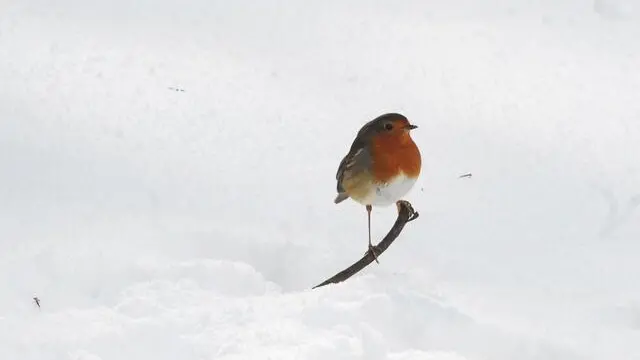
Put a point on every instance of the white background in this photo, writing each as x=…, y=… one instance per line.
x=161, y=224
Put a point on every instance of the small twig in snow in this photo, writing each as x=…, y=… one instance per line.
x=405, y=215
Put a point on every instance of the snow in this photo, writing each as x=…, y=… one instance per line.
x=155, y=223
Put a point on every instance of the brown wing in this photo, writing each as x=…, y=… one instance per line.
x=357, y=160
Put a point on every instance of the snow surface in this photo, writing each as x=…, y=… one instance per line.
x=156, y=223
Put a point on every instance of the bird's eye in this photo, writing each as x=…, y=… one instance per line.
x=388, y=126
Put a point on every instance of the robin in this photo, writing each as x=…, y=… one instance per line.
x=382, y=165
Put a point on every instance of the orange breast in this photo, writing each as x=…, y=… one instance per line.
x=395, y=153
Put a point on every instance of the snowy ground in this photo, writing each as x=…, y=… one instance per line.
x=162, y=224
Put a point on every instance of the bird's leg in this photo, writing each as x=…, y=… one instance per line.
x=369, y=222
x=371, y=247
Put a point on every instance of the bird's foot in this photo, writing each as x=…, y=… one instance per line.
x=373, y=251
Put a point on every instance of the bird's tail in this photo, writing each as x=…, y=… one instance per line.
x=340, y=198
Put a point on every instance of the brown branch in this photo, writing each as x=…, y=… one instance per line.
x=405, y=215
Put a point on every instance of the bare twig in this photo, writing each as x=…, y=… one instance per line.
x=405, y=215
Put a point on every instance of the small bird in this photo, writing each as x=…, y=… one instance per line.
x=381, y=167
x=36, y=300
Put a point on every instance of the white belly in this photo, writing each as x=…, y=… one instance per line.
x=387, y=194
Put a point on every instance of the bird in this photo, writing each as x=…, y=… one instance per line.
x=381, y=166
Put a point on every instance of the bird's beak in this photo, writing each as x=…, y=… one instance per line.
x=411, y=127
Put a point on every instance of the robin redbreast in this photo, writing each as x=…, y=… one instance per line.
x=382, y=165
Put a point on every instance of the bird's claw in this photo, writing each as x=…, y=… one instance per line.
x=372, y=250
